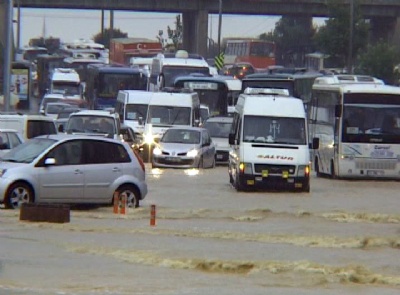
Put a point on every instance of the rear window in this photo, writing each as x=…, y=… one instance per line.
x=39, y=127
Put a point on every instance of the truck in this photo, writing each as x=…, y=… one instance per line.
x=123, y=49
x=67, y=82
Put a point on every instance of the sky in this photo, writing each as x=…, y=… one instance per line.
x=69, y=25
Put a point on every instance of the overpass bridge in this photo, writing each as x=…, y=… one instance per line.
x=384, y=15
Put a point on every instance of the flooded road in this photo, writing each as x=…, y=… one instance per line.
x=342, y=238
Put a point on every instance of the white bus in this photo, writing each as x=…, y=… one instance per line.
x=357, y=122
x=166, y=68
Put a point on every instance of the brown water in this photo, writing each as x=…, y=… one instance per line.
x=342, y=238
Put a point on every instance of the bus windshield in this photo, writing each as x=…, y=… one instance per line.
x=110, y=83
x=172, y=72
x=371, y=123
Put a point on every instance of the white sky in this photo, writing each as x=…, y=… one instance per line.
x=69, y=25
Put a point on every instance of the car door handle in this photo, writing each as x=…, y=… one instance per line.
x=115, y=169
x=77, y=171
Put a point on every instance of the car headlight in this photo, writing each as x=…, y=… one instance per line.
x=304, y=170
x=157, y=151
x=2, y=172
x=192, y=153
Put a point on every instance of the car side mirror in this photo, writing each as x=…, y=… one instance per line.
x=315, y=143
x=61, y=128
x=50, y=162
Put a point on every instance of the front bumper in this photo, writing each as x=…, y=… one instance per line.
x=274, y=182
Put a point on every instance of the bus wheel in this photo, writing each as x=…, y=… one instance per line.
x=316, y=167
x=333, y=175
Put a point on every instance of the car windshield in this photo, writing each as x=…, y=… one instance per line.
x=218, y=129
x=181, y=136
x=91, y=124
x=28, y=151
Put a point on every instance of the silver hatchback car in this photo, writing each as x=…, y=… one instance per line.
x=71, y=169
x=184, y=147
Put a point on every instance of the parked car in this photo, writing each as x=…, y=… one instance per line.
x=9, y=138
x=71, y=169
x=184, y=147
x=219, y=128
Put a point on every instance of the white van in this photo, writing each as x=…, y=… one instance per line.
x=269, y=142
x=28, y=126
x=167, y=109
x=132, y=106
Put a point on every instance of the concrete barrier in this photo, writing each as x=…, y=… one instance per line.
x=43, y=212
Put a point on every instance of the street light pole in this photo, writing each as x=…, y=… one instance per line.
x=219, y=25
x=7, y=55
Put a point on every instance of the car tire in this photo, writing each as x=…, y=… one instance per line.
x=17, y=194
x=201, y=164
x=133, y=195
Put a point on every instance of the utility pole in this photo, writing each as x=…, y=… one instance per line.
x=351, y=37
x=219, y=25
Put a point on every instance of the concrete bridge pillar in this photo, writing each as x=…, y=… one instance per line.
x=195, y=28
x=386, y=29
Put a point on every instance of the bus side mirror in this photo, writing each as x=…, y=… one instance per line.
x=140, y=120
x=231, y=138
x=315, y=143
x=338, y=111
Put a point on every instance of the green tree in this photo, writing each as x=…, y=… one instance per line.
x=333, y=37
x=105, y=39
x=177, y=34
x=379, y=61
x=293, y=38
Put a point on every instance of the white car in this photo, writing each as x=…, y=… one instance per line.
x=71, y=169
x=9, y=138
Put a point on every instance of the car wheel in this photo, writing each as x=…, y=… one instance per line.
x=132, y=195
x=201, y=163
x=212, y=164
x=18, y=194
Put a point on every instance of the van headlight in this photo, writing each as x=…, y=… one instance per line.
x=304, y=170
x=245, y=168
x=148, y=138
x=192, y=153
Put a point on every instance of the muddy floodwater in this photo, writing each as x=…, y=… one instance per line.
x=341, y=238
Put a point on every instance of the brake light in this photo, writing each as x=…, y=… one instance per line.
x=139, y=158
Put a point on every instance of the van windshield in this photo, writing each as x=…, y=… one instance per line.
x=168, y=115
x=283, y=130
x=136, y=111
